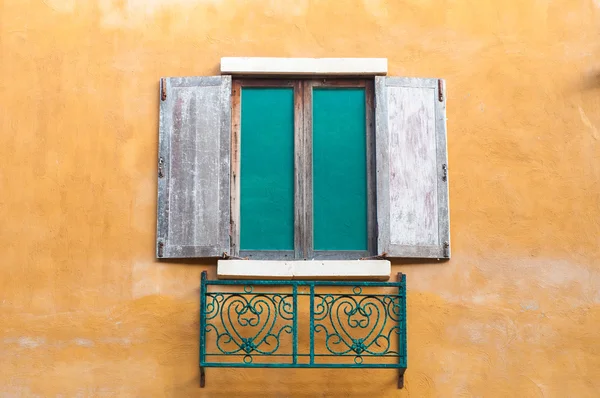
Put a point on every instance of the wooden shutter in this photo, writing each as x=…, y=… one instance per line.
x=412, y=179
x=193, y=167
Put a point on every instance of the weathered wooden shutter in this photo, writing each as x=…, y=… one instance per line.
x=193, y=167
x=412, y=168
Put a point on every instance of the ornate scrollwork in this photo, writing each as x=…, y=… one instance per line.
x=356, y=324
x=248, y=323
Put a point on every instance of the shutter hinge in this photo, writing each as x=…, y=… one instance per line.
x=440, y=90
x=163, y=89
x=161, y=247
x=161, y=163
x=444, y=172
x=446, y=249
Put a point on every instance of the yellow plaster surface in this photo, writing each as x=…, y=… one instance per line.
x=85, y=310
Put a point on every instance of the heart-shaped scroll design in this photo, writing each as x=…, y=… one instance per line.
x=248, y=325
x=358, y=324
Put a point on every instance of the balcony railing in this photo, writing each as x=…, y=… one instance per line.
x=303, y=324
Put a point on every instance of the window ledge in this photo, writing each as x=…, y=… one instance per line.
x=304, y=66
x=315, y=269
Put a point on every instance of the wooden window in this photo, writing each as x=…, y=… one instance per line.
x=302, y=169
x=302, y=181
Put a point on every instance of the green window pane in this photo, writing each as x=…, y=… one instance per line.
x=267, y=169
x=339, y=169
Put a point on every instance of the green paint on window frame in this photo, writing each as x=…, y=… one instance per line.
x=267, y=169
x=339, y=169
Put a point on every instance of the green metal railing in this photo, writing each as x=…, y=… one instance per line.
x=303, y=324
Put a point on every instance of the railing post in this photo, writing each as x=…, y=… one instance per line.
x=401, y=278
x=295, y=327
x=202, y=326
x=312, y=323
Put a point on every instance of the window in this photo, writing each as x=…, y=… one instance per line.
x=302, y=169
x=302, y=174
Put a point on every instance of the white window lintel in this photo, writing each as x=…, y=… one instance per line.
x=304, y=66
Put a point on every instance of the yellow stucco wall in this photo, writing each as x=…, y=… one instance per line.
x=85, y=310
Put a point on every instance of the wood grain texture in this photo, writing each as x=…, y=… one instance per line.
x=371, y=168
x=411, y=149
x=299, y=175
x=442, y=161
x=236, y=117
x=307, y=171
x=413, y=185
x=193, y=200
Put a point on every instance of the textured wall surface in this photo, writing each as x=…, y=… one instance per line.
x=85, y=310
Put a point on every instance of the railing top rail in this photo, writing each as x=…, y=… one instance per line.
x=261, y=282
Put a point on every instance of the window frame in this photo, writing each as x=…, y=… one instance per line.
x=303, y=178
x=236, y=125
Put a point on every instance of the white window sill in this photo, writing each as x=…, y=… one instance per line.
x=304, y=66
x=315, y=269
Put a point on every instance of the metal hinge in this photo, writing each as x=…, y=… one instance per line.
x=161, y=163
x=440, y=90
x=163, y=89
x=161, y=247
x=444, y=172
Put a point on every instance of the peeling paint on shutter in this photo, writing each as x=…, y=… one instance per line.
x=412, y=182
x=193, y=167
